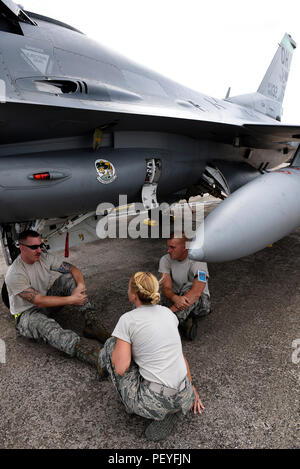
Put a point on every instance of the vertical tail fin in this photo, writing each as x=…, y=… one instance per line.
x=274, y=82
x=269, y=97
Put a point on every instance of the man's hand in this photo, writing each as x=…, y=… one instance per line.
x=181, y=302
x=78, y=296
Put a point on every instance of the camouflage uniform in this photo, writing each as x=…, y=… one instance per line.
x=200, y=308
x=137, y=395
x=35, y=323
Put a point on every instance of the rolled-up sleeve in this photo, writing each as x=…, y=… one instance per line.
x=17, y=283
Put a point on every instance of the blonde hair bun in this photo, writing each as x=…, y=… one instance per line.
x=155, y=298
x=146, y=286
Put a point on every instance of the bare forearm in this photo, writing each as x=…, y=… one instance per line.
x=41, y=301
x=121, y=357
x=194, y=293
x=52, y=301
x=197, y=405
x=188, y=369
x=67, y=268
x=192, y=297
x=77, y=275
x=168, y=292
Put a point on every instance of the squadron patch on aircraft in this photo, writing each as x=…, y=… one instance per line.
x=106, y=171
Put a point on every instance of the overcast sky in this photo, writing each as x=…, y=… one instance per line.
x=207, y=45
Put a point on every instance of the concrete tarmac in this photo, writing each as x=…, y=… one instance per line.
x=244, y=361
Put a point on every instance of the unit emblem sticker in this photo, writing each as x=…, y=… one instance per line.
x=106, y=171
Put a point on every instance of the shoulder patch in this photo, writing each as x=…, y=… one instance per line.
x=201, y=276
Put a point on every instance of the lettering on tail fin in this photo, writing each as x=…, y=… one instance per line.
x=269, y=97
x=274, y=82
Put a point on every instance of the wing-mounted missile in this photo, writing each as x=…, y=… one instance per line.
x=256, y=215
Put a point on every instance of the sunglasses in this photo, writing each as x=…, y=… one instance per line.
x=34, y=247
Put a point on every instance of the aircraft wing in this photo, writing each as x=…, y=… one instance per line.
x=71, y=85
x=38, y=121
x=270, y=136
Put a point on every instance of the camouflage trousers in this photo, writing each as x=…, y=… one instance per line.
x=200, y=308
x=136, y=393
x=35, y=323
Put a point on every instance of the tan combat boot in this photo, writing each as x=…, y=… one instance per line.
x=89, y=353
x=94, y=329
